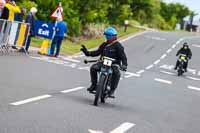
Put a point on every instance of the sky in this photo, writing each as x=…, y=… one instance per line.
x=194, y=5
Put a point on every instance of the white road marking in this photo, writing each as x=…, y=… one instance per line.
x=84, y=68
x=193, y=71
x=174, y=46
x=70, y=59
x=168, y=67
x=170, y=73
x=93, y=131
x=195, y=45
x=194, y=88
x=140, y=72
x=193, y=78
x=149, y=67
x=155, y=38
x=169, y=50
x=71, y=65
x=163, y=56
x=31, y=100
x=123, y=128
x=156, y=62
x=199, y=73
x=72, y=90
x=129, y=74
x=163, y=81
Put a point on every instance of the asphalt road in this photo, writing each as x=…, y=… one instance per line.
x=46, y=95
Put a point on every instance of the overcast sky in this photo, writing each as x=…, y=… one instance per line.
x=194, y=5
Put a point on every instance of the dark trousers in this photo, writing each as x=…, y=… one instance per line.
x=28, y=42
x=95, y=68
x=185, y=64
x=57, y=41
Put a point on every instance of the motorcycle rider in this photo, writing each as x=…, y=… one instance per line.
x=186, y=51
x=110, y=48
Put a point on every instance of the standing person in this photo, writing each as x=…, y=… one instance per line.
x=60, y=29
x=30, y=19
x=19, y=16
x=13, y=8
x=4, y=12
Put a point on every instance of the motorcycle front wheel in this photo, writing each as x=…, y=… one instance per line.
x=100, y=87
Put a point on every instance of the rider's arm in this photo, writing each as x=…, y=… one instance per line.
x=122, y=54
x=190, y=54
x=97, y=52
x=178, y=52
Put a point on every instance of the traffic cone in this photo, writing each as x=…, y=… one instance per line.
x=44, y=47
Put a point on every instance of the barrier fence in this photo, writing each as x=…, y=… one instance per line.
x=13, y=34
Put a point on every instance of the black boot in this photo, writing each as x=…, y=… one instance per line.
x=92, y=88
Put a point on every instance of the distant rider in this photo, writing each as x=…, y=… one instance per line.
x=110, y=48
x=186, y=51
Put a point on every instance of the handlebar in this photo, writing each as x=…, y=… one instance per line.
x=90, y=61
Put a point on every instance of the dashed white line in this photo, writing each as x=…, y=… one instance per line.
x=169, y=50
x=195, y=45
x=193, y=78
x=194, y=88
x=156, y=62
x=140, y=72
x=170, y=73
x=199, y=73
x=129, y=74
x=163, y=56
x=31, y=100
x=163, y=81
x=72, y=90
x=149, y=67
x=123, y=128
x=174, y=46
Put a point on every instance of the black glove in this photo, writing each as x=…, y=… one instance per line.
x=84, y=50
x=123, y=67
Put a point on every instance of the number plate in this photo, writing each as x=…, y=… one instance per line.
x=107, y=62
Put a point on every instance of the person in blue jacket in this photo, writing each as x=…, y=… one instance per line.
x=60, y=30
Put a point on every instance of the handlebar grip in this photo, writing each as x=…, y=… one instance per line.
x=85, y=61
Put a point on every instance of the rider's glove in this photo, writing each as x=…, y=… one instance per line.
x=123, y=67
x=84, y=50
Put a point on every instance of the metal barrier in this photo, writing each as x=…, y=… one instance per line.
x=13, y=34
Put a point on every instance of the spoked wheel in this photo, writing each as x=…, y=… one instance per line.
x=100, y=88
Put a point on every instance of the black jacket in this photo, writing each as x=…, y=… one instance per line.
x=5, y=13
x=187, y=52
x=114, y=51
x=30, y=19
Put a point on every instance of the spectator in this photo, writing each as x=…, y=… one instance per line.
x=13, y=8
x=30, y=19
x=19, y=16
x=4, y=12
x=60, y=29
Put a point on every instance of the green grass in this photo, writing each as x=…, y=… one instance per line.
x=69, y=47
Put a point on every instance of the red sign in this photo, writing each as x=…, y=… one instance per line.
x=57, y=13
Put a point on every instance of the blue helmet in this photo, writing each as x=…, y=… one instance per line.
x=110, y=33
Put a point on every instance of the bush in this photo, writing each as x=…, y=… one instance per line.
x=93, y=30
x=74, y=27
